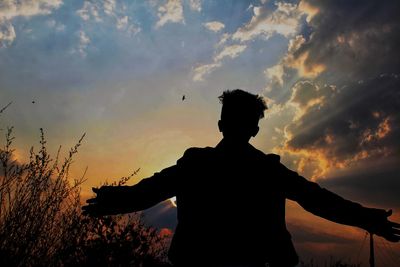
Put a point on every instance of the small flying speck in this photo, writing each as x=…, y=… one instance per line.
x=33, y=102
x=183, y=97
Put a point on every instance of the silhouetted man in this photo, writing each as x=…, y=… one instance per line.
x=231, y=198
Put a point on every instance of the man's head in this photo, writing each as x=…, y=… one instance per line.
x=240, y=114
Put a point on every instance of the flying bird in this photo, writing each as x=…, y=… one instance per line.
x=183, y=97
x=33, y=102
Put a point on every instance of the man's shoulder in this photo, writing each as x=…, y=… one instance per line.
x=197, y=152
x=273, y=158
x=192, y=150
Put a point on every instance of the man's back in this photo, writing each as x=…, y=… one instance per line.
x=231, y=207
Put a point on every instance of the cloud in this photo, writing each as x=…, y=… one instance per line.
x=307, y=95
x=275, y=74
x=106, y=11
x=375, y=182
x=96, y=10
x=172, y=11
x=214, y=26
x=83, y=44
x=308, y=9
x=282, y=71
x=202, y=70
x=347, y=38
x=231, y=51
x=346, y=126
x=224, y=38
x=10, y=9
x=90, y=10
x=109, y=7
x=305, y=70
x=227, y=52
x=123, y=24
x=7, y=33
x=285, y=20
x=339, y=81
x=195, y=5
x=337, y=128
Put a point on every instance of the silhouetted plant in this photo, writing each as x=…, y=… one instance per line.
x=122, y=240
x=41, y=222
x=38, y=205
x=116, y=241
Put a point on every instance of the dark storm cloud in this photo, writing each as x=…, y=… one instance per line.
x=376, y=183
x=355, y=39
x=346, y=41
x=359, y=118
x=348, y=109
x=356, y=114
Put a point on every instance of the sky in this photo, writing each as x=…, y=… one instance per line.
x=117, y=70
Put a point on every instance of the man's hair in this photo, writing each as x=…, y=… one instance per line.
x=234, y=101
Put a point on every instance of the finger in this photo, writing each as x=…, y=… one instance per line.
x=87, y=208
x=394, y=224
x=396, y=231
x=393, y=238
x=389, y=213
x=91, y=200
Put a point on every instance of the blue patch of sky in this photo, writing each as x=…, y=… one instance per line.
x=40, y=54
x=44, y=56
x=305, y=29
x=233, y=14
x=142, y=13
x=259, y=55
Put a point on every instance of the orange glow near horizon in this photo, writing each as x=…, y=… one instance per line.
x=142, y=78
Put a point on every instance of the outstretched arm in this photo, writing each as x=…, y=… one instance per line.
x=328, y=205
x=112, y=200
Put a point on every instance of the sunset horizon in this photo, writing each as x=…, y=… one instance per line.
x=141, y=81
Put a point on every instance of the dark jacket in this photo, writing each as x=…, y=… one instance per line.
x=231, y=205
